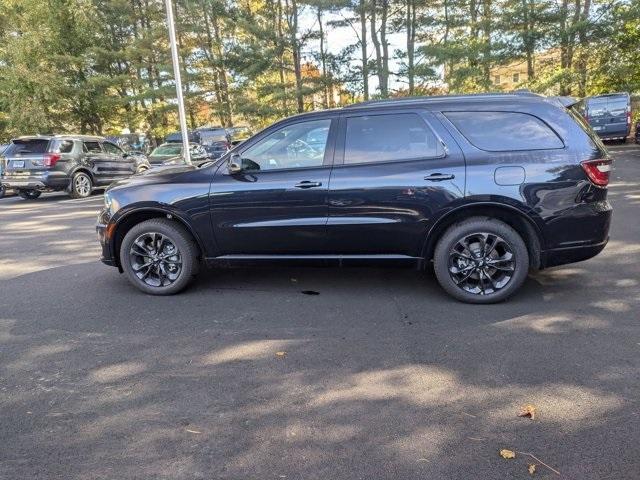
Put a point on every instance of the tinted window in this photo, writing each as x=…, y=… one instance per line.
x=294, y=146
x=504, y=131
x=175, y=149
x=27, y=147
x=381, y=138
x=111, y=148
x=63, y=146
x=92, y=147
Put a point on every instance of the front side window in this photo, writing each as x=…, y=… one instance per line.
x=299, y=145
x=389, y=137
x=504, y=131
x=111, y=148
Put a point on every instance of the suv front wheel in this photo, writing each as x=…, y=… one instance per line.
x=481, y=260
x=159, y=257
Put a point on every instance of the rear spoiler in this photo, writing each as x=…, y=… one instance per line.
x=564, y=102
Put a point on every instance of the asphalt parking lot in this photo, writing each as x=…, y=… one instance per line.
x=383, y=377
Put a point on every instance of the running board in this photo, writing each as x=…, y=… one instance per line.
x=322, y=260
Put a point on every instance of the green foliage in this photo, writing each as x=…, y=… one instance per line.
x=101, y=66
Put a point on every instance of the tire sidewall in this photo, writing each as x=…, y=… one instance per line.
x=179, y=238
x=455, y=233
x=74, y=192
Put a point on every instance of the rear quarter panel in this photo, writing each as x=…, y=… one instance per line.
x=554, y=191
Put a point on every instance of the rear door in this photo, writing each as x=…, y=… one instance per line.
x=619, y=120
x=98, y=162
x=394, y=172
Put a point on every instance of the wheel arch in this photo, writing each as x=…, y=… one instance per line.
x=512, y=216
x=136, y=216
x=82, y=170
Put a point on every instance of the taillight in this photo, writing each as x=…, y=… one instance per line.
x=598, y=171
x=628, y=117
x=50, y=159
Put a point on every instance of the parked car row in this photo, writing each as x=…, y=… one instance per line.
x=31, y=165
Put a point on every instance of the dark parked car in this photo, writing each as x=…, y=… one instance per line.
x=637, y=135
x=609, y=115
x=171, y=153
x=76, y=163
x=3, y=189
x=486, y=187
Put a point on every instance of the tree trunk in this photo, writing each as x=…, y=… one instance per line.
x=363, y=49
x=410, y=25
x=323, y=62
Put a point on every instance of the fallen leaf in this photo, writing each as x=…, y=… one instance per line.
x=281, y=354
x=504, y=453
x=528, y=411
x=532, y=468
x=192, y=431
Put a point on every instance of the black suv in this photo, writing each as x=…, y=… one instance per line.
x=484, y=186
x=75, y=163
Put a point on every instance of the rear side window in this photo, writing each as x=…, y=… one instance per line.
x=27, y=147
x=92, y=147
x=504, y=131
x=63, y=146
x=383, y=138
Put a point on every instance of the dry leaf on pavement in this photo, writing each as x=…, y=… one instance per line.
x=528, y=411
x=281, y=354
x=504, y=453
x=532, y=468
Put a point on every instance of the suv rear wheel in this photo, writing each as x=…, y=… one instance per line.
x=81, y=185
x=481, y=260
x=159, y=257
x=29, y=194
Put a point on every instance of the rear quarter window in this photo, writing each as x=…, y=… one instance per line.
x=504, y=131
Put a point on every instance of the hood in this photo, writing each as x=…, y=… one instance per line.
x=157, y=174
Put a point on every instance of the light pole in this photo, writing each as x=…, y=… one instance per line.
x=176, y=74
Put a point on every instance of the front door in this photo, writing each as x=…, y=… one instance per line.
x=278, y=203
x=121, y=165
x=394, y=171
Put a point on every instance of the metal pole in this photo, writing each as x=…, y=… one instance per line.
x=176, y=74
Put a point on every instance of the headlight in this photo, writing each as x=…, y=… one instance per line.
x=110, y=203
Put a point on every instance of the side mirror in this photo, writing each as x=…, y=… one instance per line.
x=235, y=164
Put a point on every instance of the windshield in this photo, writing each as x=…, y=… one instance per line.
x=168, y=150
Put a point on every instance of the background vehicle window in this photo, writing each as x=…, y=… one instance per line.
x=92, y=147
x=25, y=147
x=295, y=146
x=381, y=138
x=63, y=146
x=111, y=148
x=504, y=131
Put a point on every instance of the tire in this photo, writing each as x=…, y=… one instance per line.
x=29, y=194
x=148, y=234
x=476, y=278
x=81, y=185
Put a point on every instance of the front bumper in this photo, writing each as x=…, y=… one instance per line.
x=105, y=231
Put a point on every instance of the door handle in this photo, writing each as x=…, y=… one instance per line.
x=308, y=184
x=439, y=177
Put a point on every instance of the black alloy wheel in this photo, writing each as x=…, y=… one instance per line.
x=159, y=256
x=481, y=260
